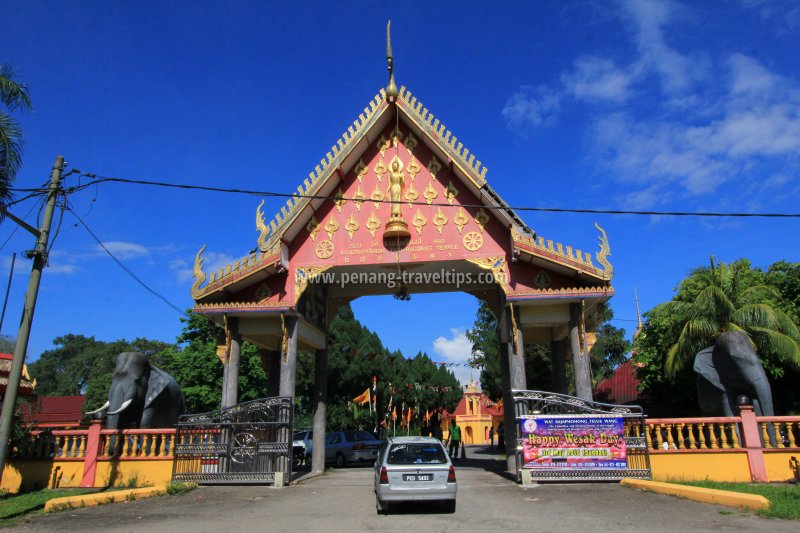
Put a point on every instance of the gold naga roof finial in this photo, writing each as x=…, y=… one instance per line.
x=391, y=89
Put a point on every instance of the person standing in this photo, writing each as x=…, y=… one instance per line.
x=501, y=437
x=454, y=439
x=491, y=438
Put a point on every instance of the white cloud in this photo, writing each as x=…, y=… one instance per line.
x=691, y=139
x=62, y=269
x=456, y=349
x=597, y=79
x=531, y=108
x=125, y=250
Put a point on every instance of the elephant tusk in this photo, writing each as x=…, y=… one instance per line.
x=96, y=411
x=124, y=406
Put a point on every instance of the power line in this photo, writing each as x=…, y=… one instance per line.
x=126, y=269
x=103, y=179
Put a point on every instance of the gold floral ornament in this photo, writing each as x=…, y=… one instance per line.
x=331, y=227
x=324, y=249
x=439, y=220
x=339, y=201
x=313, y=228
x=377, y=197
x=430, y=193
x=419, y=221
x=373, y=223
x=359, y=197
x=460, y=219
x=450, y=192
x=383, y=145
x=413, y=169
x=411, y=143
x=361, y=170
x=434, y=166
x=482, y=219
x=352, y=225
x=411, y=194
x=380, y=169
x=473, y=241
x=396, y=136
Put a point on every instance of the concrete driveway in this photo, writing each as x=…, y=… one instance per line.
x=342, y=500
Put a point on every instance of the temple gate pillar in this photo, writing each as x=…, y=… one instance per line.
x=230, y=379
x=320, y=410
x=271, y=360
x=512, y=365
x=288, y=357
x=580, y=359
x=557, y=349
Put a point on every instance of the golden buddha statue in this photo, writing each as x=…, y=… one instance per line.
x=396, y=227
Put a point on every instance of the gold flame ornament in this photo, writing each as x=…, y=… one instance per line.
x=331, y=227
x=460, y=219
x=313, y=228
x=361, y=170
x=359, y=197
x=377, y=196
x=339, y=201
x=411, y=142
x=434, y=166
x=411, y=194
x=419, y=221
x=482, y=219
x=439, y=220
x=450, y=192
x=352, y=225
x=430, y=193
x=373, y=223
x=413, y=169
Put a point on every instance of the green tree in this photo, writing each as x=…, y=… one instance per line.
x=14, y=96
x=729, y=298
x=7, y=344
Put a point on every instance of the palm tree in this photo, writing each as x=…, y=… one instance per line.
x=723, y=303
x=14, y=96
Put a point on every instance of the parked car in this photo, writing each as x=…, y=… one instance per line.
x=304, y=439
x=342, y=447
x=414, y=469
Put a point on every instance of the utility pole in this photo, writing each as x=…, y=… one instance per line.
x=39, y=255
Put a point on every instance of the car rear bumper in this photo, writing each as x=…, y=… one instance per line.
x=387, y=494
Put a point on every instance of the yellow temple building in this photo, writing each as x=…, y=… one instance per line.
x=475, y=414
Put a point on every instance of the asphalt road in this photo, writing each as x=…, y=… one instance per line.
x=342, y=500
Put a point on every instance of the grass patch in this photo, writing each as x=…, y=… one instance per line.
x=13, y=507
x=784, y=498
x=174, y=488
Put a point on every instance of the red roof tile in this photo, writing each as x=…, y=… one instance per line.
x=52, y=411
x=620, y=388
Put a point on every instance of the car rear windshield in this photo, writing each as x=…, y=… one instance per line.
x=411, y=454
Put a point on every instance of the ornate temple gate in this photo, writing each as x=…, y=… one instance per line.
x=540, y=405
x=249, y=443
x=396, y=207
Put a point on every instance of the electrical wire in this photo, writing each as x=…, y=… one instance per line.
x=126, y=269
x=16, y=227
x=104, y=179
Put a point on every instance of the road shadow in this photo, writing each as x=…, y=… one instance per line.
x=484, y=458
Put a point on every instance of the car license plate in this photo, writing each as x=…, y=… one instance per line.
x=417, y=477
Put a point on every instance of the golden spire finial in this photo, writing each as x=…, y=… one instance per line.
x=639, y=324
x=391, y=89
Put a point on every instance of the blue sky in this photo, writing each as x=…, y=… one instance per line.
x=620, y=105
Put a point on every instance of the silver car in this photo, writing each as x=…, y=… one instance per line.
x=343, y=447
x=414, y=469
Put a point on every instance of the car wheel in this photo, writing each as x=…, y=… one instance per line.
x=339, y=460
x=450, y=506
x=381, y=507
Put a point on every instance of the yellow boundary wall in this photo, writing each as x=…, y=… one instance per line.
x=32, y=474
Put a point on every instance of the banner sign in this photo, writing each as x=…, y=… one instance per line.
x=580, y=442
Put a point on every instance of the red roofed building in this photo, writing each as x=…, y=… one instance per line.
x=26, y=386
x=475, y=414
x=62, y=412
x=620, y=388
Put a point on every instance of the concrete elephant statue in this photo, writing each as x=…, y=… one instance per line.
x=141, y=395
x=727, y=370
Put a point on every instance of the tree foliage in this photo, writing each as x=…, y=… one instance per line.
x=13, y=96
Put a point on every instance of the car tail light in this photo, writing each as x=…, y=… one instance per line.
x=384, y=480
x=451, y=475
x=360, y=447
